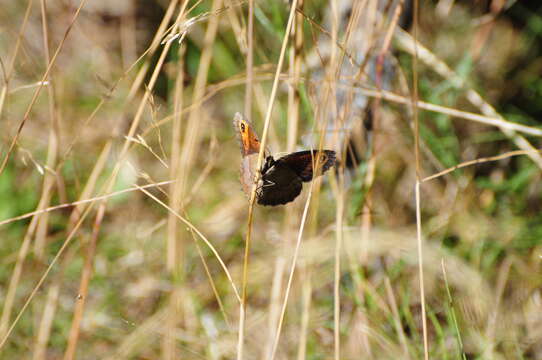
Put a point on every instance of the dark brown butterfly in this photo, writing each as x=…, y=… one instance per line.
x=281, y=179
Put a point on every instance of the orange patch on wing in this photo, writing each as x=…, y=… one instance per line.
x=248, y=140
x=250, y=147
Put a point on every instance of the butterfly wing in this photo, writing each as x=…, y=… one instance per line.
x=250, y=147
x=248, y=140
x=301, y=162
x=280, y=185
x=247, y=174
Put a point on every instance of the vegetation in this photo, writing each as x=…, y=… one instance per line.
x=124, y=230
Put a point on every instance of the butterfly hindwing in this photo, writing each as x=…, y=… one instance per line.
x=301, y=162
x=280, y=185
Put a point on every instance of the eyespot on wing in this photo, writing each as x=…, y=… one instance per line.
x=247, y=138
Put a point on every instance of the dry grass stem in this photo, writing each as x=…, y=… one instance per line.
x=267, y=121
x=194, y=229
x=38, y=90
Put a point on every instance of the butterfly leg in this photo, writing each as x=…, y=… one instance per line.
x=264, y=184
x=268, y=183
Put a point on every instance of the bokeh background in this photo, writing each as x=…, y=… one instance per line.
x=97, y=96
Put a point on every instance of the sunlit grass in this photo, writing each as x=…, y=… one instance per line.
x=156, y=270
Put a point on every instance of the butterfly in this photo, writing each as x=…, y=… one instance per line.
x=281, y=179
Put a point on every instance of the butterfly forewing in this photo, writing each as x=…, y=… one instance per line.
x=250, y=147
x=248, y=140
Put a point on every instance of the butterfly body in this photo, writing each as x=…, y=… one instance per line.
x=281, y=179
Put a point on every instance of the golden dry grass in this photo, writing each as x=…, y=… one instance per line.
x=125, y=233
